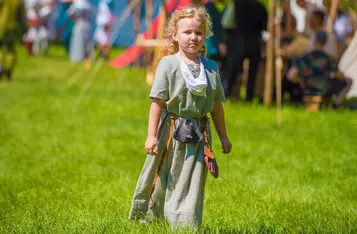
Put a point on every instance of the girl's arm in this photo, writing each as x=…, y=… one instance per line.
x=218, y=119
x=219, y=123
x=151, y=145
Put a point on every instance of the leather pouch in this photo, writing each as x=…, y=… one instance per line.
x=187, y=131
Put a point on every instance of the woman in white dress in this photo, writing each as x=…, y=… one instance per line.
x=81, y=45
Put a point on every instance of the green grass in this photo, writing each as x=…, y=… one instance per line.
x=67, y=168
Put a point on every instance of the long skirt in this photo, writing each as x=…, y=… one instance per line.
x=179, y=188
x=80, y=44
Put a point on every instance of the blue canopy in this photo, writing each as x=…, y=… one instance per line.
x=125, y=36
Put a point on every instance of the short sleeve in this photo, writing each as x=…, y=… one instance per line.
x=219, y=94
x=160, y=88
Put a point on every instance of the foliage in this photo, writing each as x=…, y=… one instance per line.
x=349, y=4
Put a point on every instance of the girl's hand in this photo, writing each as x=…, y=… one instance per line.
x=151, y=145
x=226, y=145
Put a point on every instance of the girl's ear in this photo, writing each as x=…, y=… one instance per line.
x=174, y=36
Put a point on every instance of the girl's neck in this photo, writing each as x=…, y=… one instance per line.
x=189, y=58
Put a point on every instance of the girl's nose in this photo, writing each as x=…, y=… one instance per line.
x=193, y=36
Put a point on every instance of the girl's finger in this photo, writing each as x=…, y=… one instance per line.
x=156, y=149
x=224, y=149
x=227, y=149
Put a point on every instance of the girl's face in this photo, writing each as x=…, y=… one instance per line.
x=189, y=35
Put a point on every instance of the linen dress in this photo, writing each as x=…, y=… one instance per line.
x=179, y=189
x=80, y=43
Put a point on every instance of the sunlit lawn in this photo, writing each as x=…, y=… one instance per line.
x=70, y=165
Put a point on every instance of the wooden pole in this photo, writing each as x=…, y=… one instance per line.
x=163, y=2
x=331, y=19
x=326, y=3
x=354, y=20
x=136, y=24
x=278, y=75
x=332, y=15
x=149, y=13
x=289, y=20
x=269, y=56
x=148, y=51
x=160, y=35
x=159, y=50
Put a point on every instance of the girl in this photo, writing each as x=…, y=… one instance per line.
x=187, y=87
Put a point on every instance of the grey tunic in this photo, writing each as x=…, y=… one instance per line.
x=179, y=189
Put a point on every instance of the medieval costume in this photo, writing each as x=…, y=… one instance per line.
x=36, y=39
x=81, y=45
x=11, y=24
x=171, y=184
x=103, y=32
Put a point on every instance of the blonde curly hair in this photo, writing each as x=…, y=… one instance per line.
x=188, y=12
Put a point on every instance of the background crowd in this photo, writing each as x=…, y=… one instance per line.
x=239, y=43
x=35, y=23
x=310, y=55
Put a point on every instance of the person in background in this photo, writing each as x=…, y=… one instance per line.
x=215, y=45
x=33, y=22
x=342, y=28
x=310, y=7
x=288, y=29
x=317, y=24
x=12, y=15
x=36, y=38
x=318, y=74
x=293, y=45
x=48, y=13
x=81, y=45
x=103, y=32
x=250, y=19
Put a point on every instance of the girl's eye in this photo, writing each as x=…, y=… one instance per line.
x=199, y=33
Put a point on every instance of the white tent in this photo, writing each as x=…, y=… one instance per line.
x=348, y=65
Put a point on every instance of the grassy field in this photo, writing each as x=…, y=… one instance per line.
x=69, y=167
